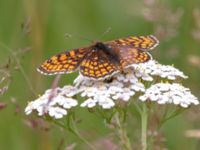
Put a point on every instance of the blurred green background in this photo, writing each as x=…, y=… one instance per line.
x=33, y=30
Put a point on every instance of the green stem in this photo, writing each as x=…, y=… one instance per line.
x=144, y=119
x=75, y=131
x=170, y=116
x=122, y=133
x=72, y=128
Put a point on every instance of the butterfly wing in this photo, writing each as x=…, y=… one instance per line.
x=129, y=55
x=133, y=49
x=64, y=62
x=140, y=42
x=97, y=65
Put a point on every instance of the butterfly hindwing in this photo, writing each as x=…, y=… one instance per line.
x=129, y=55
x=64, y=62
x=97, y=65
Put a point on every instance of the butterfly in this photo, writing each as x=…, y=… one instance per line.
x=101, y=59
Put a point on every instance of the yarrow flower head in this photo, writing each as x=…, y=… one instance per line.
x=54, y=102
x=120, y=87
x=164, y=93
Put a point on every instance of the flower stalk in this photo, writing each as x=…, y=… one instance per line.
x=144, y=120
x=71, y=127
x=122, y=133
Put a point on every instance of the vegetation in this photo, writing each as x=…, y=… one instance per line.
x=31, y=31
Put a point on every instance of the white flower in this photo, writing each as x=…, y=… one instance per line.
x=69, y=91
x=54, y=102
x=89, y=103
x=57, y=112
x=153, y=68
x=102, y=93
x=106, y=103
x=165, y=93
x=120, y=87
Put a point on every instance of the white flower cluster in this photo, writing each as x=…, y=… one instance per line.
x=54, y=102
x=164, y=93
x=122, y=86
x=153, y=68
x=104, y=94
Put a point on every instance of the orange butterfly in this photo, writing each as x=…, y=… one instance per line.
x=101, y=59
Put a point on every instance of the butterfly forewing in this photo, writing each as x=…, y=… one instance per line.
x=64, y=62
x=139, y=42
x=97, y=65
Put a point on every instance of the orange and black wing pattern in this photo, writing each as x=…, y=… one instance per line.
x=98, y=66
x=133, y=49
x=102, y=60
x=140, y=42
x=64, y=62
x=129, y=56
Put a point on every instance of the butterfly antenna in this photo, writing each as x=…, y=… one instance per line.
x=68, y=35
x=106, y=31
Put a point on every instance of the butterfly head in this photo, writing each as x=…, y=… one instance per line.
x=99, y=45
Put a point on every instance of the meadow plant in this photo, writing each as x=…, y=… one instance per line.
x=139, y=86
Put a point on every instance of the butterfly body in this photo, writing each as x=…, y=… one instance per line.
x=110, y=51
x=101, y=59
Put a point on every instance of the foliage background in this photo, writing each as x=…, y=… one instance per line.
x=33, y=30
